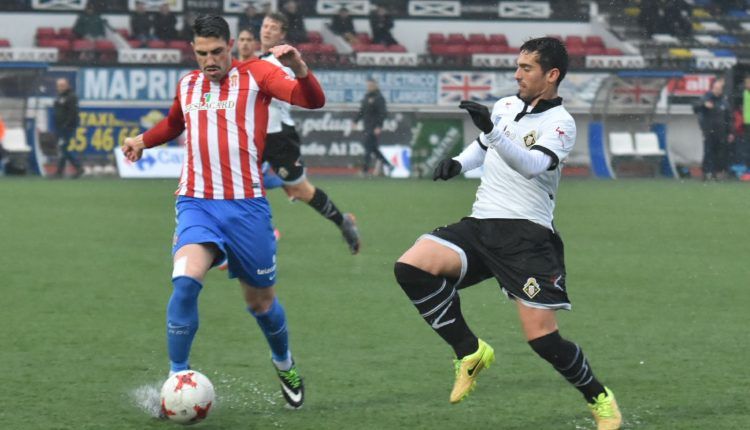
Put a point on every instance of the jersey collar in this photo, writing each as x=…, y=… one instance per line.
x=541, y=106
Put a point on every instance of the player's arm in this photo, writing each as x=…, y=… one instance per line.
x=167, y=129
x=304, y=91
x=527, y=163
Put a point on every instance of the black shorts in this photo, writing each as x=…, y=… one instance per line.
x=283, y=154
x=526, y=258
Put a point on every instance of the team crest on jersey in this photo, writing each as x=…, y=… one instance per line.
x=531, y=288
x=234, y=79
x=530, y=139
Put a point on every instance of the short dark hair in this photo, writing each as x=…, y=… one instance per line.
x=211, y=26
x=280, y=18
x=551, y=52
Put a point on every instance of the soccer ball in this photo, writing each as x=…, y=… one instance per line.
x=186, y=397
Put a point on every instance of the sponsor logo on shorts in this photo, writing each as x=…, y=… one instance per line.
x=531, y=288
x=266, y=271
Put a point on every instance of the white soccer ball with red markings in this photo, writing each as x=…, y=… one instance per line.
x=187, y=397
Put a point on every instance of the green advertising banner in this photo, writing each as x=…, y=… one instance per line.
x=433, y=140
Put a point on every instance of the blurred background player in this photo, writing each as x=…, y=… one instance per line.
x=221, y=206
x=510, y=234
x=283, y=145
x=66, y=121
x=372, y=112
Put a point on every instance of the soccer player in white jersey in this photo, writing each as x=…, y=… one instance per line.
x=221, y=207
x=283, y=144
x=510, y=234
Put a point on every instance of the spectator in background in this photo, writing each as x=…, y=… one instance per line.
x=372, y=112
x=89, y=24
x=651, y=17
x=381, y=24
x=186, y=33
x=66, y=122
x=677, y=18
x=165, y=24
x=715, y=119
x=297, y=33
x=252, y=19
x=141, y=23
x=343, y=25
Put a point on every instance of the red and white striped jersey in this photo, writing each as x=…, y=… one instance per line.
x=226, y=123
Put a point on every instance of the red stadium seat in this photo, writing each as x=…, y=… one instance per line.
x=497, y=49
x=84, y=49
x=376, y=47
x=135, y=44
x=106, y=51
x=594, y=41
x=497, y=39
x=576, y=51
x=364, y=38
x=314, y=37
x=81, y=45
x=595, y=50
x=156, y=44
x=433, y=38
x=308, y=48
x=477, y=39
x=62, y=45
x=438, y=49
x=45, y=33
x=456, y=39
x=574, y=41
x=397, y=48
x=66, y=33
x=4, y=43
x=613, y=51
x=124, y=32
x=182, y=45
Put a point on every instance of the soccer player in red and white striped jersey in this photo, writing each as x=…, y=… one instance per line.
x=221, y=207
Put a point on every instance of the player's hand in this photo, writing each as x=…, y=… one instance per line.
x=290, y=57
x=480, y=115
x=133, y=147
x=446, y=169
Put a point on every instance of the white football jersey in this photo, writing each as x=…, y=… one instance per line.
x=279, y=111
x=505, y=193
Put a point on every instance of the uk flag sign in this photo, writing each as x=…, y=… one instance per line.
x=456, y=86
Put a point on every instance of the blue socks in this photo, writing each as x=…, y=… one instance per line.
x=182, y=320
x=273, y=325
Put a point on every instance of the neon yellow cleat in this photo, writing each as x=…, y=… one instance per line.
x=606, y=413
x=468, y=368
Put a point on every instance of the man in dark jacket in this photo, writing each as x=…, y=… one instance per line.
x=140, y=23
x=165, y=24
x=715, y=119
x=372, y=112
x=381, y=24
x=66, y=122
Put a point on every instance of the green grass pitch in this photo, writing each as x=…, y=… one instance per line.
x=657, y=273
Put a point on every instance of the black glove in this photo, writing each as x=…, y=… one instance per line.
x=446, y=169
x=479, y=114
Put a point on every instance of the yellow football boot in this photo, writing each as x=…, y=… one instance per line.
x=468, y=368
x=606, y=413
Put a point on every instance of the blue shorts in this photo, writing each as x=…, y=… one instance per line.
x=241, y=229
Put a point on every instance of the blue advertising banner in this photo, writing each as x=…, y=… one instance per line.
x=133, y=84
x=100, y=130
x=397, y=87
